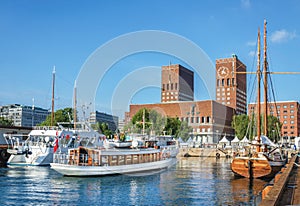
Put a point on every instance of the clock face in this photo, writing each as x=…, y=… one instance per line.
x=223, y=71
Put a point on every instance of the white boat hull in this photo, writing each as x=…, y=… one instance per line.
x=74, y=170
x=38, y=157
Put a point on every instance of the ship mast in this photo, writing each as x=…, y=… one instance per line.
x=265, y=81
x=258, y=73
x=75, y=105
x=53, y=83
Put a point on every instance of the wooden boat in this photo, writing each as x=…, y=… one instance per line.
x=84, y=161
x=259, y=164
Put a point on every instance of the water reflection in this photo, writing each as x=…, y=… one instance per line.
x=192, y=181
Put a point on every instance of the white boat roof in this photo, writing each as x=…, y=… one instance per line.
x=126, y=151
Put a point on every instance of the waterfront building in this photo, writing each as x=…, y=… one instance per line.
x=111, y=120
x=286, y=111
x=231, y=87
x=210, y=119
x=24, y=116
x=177, y=83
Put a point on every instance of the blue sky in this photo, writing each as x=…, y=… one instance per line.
x=36, y=35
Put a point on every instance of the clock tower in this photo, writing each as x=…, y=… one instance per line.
x=231, y=87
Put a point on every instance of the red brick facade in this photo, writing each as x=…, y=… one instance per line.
x=177, y=83
x=287, y=112
x=231, y=87
x=207, y=118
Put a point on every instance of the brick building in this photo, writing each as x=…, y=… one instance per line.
x=209, y=119
x=287, y=112
x=231, y=87
x=177, y=83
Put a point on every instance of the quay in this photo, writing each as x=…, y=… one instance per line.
x=284, y=189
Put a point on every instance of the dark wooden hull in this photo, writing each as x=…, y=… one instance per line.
x=251, y=167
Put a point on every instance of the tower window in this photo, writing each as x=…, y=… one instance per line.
x=228, y=82
x=233, y=82
x=222, y=82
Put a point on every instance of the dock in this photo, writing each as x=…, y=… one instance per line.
x=284, y=189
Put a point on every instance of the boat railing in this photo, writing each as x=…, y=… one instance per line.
x=97, y=159
x=46, y=128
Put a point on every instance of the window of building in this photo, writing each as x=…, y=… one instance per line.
x=284, y=117
x=202, y=119
x=171, y=86
x=222, y=82
x=292, y=111
x=176, y=86
x=187, y=119
x=292, y=116
x=233, y=82
x=284, y=106
x=208, y=119
x=284, y=111
x=192, y=119
x=163, y=87
x=292, y=127
x=292, y=122
x=197, y=119
x=292, y=106
x=167, y=86
x=285, y=127
x=218, y=82
x=228, y=82
x=278, y=106
x=284, y=122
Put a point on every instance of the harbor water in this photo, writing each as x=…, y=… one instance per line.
x=191, y=181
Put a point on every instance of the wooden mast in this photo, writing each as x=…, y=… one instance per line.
x=265, y=81
x=53, y=83
x=75, y=105
x=258, y=92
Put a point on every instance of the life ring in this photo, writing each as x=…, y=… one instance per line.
x=218, y=155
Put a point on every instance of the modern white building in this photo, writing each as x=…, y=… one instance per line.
x=25, y=116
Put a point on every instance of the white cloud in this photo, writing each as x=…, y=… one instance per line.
x=251, y=43
x=252, y=53
x=245, y=4
x=282, y=36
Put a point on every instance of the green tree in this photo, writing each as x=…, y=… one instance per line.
x=61, y=115
x=177, y=128
x=141, y=119
x=274, y=128
x=184, y=131
x=6, y=122
x=103, y=128
x=157, y=121
x=240, y=124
